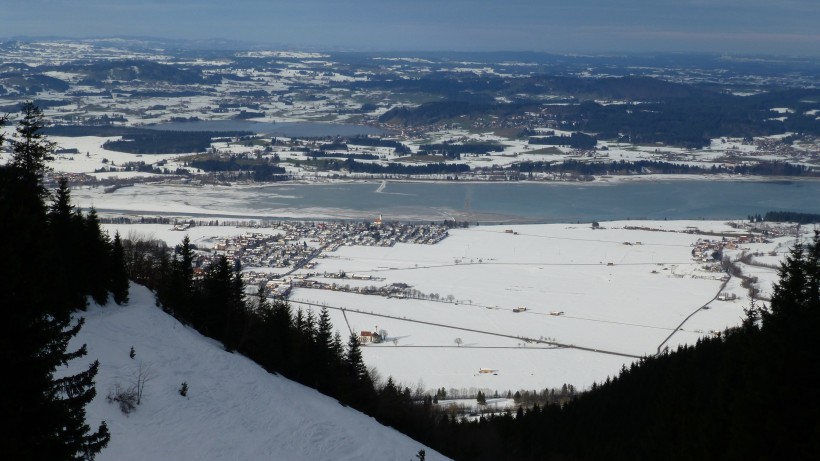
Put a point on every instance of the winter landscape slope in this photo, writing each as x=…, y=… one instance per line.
x=233, y=409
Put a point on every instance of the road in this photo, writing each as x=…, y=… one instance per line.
x=471, y=330
x=722, y=286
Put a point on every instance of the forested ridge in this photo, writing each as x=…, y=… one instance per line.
x=750, y=393
x=648, y=110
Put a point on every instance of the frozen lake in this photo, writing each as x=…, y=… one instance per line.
x=473, y=202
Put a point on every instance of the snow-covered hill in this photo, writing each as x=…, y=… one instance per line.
x=234, y=409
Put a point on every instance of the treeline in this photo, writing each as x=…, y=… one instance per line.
x=40, y=103
x=660, y=167
x=166, y=142
x=432, y=112
x=260, y=170
x=315, y=154
x=443, y=111
x=103, y=129
x=574, y=140
x=791, y=216
x=98, y=73
x=369, y=141
x=394, y=168
x=31, y=84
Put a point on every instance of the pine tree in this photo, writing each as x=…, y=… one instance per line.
x=97, y=254
x=61, y=208
x=119, y=273
x=279, y=335
x=43, y=415
x=217, y=296
x=326, y=359
x=357, y=388
x=789, y=298
x=31, y=150
x=65, y=256
x=236, y=310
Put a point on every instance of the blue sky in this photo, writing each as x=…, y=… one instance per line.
x=723, y=26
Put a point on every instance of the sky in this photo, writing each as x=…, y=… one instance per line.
x=790, y=27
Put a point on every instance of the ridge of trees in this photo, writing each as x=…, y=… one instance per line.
x=660, y=167
x=791, y=216
x=353, y=166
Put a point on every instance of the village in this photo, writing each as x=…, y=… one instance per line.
x=273, y=260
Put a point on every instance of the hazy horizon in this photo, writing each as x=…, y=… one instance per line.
x=587, y=26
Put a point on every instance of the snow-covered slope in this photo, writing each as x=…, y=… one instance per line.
x=234, y=409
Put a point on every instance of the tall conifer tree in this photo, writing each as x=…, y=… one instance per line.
x=43, y=416
x=119, y=273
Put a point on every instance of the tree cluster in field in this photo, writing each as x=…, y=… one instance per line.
x=361, y=140
x=55, y=258
x=163, y=142
x=315, y=154
x=455, y=151
x=394, y=168
x=258, y=170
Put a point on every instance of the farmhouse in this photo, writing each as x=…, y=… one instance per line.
x=366, y=337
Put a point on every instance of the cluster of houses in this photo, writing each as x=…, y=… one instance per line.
x=263, y=250
x=299, y=243
x=706, y=250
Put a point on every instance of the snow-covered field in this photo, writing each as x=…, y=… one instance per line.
x=618, y=301
x=595, y=300
x=234, y=409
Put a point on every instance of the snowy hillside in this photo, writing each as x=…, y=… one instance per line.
x=234, y=409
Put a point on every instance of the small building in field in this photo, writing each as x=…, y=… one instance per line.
x=367, y=337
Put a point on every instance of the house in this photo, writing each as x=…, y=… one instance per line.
x=366, y=337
